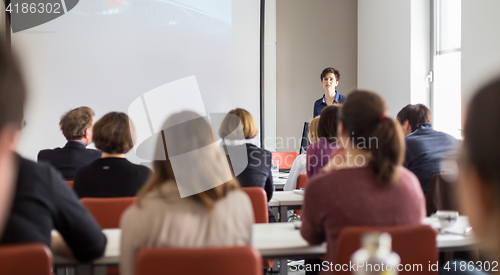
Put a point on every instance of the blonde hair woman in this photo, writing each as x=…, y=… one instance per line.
x=299, y=164
x=254, y=168
x=220, y=215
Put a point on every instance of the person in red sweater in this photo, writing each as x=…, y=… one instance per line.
x=367, y=184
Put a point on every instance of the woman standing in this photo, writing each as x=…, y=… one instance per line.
x=329, y=79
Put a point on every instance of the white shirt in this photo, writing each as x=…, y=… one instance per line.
x=298, y=168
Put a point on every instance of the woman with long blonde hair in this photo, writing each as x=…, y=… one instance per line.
x=191, y=201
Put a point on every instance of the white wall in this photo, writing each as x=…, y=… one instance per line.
x=393, y=50
x=384, y=50
x=480, y=45
x=420, y=50
x=311, y=35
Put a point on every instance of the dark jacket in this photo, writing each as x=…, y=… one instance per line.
x=69, y=159
x=425, y=148
x=257, y=173
x=110, y=177
x=42, y=202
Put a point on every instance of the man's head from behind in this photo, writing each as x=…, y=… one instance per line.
x=413, y=115
x=76, y=125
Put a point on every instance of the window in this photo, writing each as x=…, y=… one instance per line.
x=446, y=67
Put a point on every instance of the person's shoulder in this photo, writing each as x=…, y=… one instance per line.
x=318, y=101
x=449, y=137
x=237, y=199
x=142, y=169
x=408, y=178
x=29, y=166
x=40, y=173
x=322, y=180
x=254, y=148
x=93, y=152
x=47, y=153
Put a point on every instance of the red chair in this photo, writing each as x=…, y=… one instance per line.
x=242, y=260
x=70, y=183
x=25, y=259
x=285, y=158
x=415, y=244
x=441, y=194
x=107, y=211
x=259, y=203
x=301, y=183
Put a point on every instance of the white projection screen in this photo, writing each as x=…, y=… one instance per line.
x=115, y=55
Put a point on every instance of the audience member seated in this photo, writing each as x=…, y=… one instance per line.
x=192, y=209
x=42, y=201
x=479, y=177
x=370, y=187
x=299, y=164
x=318, y=154
x=256, y=171
x=425, y=147
x=12, y=98
x=76, y=126
x=112, y=175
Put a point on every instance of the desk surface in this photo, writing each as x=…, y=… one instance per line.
x=282, y=240
x=275, y=240
x=288, y=198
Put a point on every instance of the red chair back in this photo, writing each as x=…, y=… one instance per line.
x=242, y=260
x=285, y=158
x=70, y=183
x=415, y=244
x=441, y=194
x=107, y=211
x=25, y=259
x=301, y=181
x=259, y=203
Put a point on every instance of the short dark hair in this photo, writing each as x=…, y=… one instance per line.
x=481, y=134
x=74, y=123
x=330, y=70
x=12, y=89
x=415, y=114
x=113, y=134
x=328, y=120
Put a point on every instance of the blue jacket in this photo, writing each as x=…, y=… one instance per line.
x=425, y=148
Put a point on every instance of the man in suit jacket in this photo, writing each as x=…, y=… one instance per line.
x=76, y=126
x=425, y=147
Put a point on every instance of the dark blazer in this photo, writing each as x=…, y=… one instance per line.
x=69, y=159
x=110, y=177
x=425, y=148
x=257, y=173
x=43, y=202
